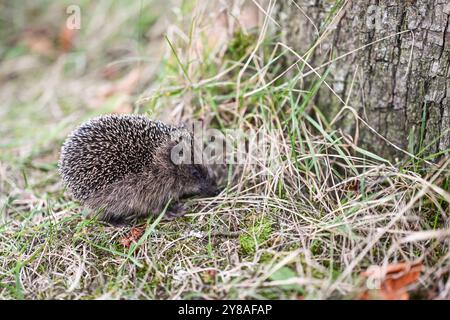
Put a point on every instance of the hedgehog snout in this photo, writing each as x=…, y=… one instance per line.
x=209, y=189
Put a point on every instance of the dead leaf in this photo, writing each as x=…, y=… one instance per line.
x=212, y=273
x=126, y=242
x=352, y=185
x=133, y=236
x=137, y=232
x=393, y=280
x=66, y=38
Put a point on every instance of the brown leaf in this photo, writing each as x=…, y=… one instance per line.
x=137, y=232
x=406, y=277
x=126, y=242
x=351, y=186
x=65, y=39
x=393, y=280
x=133, y=236
x=212, y=273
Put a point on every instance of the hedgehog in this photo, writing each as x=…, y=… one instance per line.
x=121, y=167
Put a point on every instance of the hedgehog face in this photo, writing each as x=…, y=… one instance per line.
x=194, y=179
x=189, y=179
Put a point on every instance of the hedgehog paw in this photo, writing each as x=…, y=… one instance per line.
x=177, y=210
x=117, y=221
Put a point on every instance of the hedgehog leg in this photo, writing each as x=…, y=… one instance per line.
x=117, y=221
x=177, y=210
x=117, y=216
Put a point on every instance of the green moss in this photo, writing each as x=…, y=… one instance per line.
x=256, y=235
x=240, y=45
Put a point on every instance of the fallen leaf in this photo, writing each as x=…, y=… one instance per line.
x=126, y=242
x=133, y=236
x=65, y=39
x=212, y=273
x=351, y=186
x=393, y=281
x=137, y=232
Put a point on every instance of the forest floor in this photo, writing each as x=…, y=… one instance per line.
x=320, y=218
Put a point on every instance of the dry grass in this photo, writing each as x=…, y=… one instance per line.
x=302, y=223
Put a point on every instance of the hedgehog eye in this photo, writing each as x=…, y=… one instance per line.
x=196, y=174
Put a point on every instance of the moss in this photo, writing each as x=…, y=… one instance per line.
x=256, y=235
x=240, y=45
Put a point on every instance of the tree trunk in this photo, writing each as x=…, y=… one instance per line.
x=399, y=85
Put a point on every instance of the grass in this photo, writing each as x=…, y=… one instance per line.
x=302, y=223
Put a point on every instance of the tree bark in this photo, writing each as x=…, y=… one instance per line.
x=399, y=85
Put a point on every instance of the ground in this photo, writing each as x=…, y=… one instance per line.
x=318, y=218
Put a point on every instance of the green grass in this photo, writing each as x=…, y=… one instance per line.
x=303, y=222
